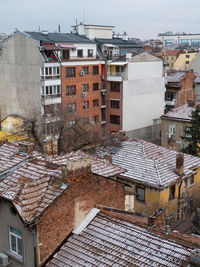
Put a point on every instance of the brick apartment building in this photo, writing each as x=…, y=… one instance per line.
x=50, y=70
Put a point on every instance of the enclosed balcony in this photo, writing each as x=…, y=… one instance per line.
x=116, y=71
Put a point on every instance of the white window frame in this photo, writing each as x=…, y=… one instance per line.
x=172, y=129
x=16, y=236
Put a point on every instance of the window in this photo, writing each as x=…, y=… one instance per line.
x=85, y=87
x=71, y=107
x=115, y=87
x=140, y=193
x=50, y=72
x=187, y=56
x=185, y=182
x=96, y=119
x=172, y=190
x=115, y=119
x=191, y=179
x=114, y=104
x=80, y=53
x=170, y=96
x=85, y=104
x=15, y=238
x=95, y=103
x=172, y=129
x=51, y=91
x=65, y=54
x=71, y=123
x=70, y=72
x=85, y=70
x=187, y=132
x=172, y=58
x=187, y=62
x=90, y=52
x=85, y=121
x=95, y=70
x=71, y=90
x=95, y=86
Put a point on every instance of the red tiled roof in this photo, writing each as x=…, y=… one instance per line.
x=171, y=52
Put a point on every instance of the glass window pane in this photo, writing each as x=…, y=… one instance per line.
x=13, y=243
x=14, y=231
x=19, y=246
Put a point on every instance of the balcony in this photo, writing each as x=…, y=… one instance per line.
x=76, y=58
x=51, y=99
x=50, y=77
x=115, y=76
x=170, y=102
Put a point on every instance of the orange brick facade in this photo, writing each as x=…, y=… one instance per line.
x=84, y=191
x=115, y=111
x=187, y=90
x=79, y=98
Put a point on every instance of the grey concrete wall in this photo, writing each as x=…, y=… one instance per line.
x=8, y=219
x=20, y=64
x=195, y=64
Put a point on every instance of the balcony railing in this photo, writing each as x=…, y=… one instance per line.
x=115, y=74
x=50, y=96
x=78, y=58
x=50, y=77
x=170, y=102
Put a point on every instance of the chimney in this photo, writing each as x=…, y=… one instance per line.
x=64, y=173
x=180, y=163
x=158, y=219
x=26, y=147
x=109, y=158
x=195, y=257
x=191, y=103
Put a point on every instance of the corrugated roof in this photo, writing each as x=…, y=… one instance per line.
x=58, y=37
x=150, y=164
x=110, y=241
x=119, y=42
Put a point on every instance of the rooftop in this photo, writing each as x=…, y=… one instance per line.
x=58, y=37
x=32, y=187
x=109, y=240
x=182, y=113
x=119, y=42
x=176, y=77
x=149, y=164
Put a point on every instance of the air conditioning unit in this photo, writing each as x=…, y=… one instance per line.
x=83, y=94
x=103, y=93
x=102, y=77
x=169, y=135
x=82, y=73
x=92, y=123
x=4, y=262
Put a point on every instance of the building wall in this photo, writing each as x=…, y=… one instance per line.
x=20, y=64
x=181, y=61
x=187, y=90
x=195, y=64
x=84, y=191
x=8, y=219
x=143, y=88
x=179, y=131
x=91, y=95
x=92, y=32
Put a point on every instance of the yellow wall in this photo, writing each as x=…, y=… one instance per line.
x=180, y=62
x=170, y=60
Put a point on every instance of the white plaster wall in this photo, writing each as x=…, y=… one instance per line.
x=92, y=33
x=143, y=95
x=85, y=48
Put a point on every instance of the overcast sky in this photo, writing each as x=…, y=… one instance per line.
x=140, y=18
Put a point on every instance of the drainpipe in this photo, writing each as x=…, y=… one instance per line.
x=179, y=197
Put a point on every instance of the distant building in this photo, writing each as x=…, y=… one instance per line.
x=170, y=56
x=184, y=60
x=179, y=88
x=179, y=39
x=174, y=124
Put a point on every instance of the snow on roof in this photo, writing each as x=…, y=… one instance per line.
x=175, y=77
x=150, y=164
x=180, y=113
x=99, y=166
x=112, y=241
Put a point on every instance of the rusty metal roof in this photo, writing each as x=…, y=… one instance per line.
x=150, y=164
x=99, y=166
x=182, y=113
x=176, y=77
x=32, y=187
x=110, y=241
